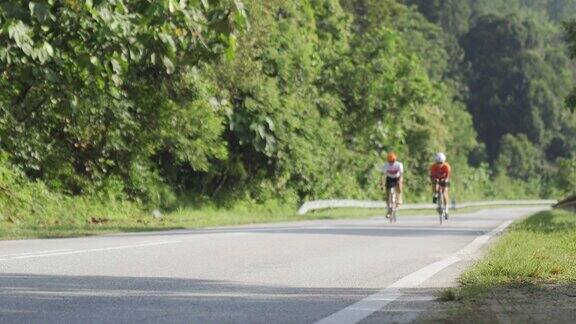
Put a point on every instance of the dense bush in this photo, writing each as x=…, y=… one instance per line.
x=97, y=89
x=280, y=100
x=33, y=204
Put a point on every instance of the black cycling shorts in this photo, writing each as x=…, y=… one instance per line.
x=392, y=182
x=442, y=182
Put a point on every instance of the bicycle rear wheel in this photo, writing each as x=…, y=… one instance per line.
x=440, y=209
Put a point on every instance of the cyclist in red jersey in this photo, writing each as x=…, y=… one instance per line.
x=440, y=176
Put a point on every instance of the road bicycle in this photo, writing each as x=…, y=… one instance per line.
x=441, y=206
x=392, y=204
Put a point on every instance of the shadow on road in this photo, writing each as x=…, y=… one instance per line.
x=47, y=299
x=29, y=298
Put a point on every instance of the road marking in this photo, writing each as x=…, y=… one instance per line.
x=371, y=304
x=378, y=227
x=142, y=244
x=37, y=252
x=481, y=240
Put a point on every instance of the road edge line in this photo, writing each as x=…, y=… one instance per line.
x=362, y=309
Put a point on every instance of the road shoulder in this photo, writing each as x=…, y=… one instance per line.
x=514, y=303
x=529, y=276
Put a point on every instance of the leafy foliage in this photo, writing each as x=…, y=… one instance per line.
x=255, y=101
x=519, y=158
x=316, y=98
x=570, y=30
x=452, y=15
x=513, y=84
x=97, y=88
x=552, y=10
x=516, y=74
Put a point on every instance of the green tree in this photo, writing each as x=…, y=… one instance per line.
x=566, y=176
x=394, y=92
x=570, y=32
x=91, y=88
x=452, y=15
x=519, y=158
x=516, y=82
x=281, y=137
x=547, y=10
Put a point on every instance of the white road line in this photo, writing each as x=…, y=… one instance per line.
x=397, y=228
x=89, y=250
x=37, y=252
x=481, y=240
x=337, y=227
x=371, y=304
x=418, y=277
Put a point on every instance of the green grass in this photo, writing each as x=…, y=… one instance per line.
x=539, y=249
x=529, y=275
x=449, y=294
x=135, y=220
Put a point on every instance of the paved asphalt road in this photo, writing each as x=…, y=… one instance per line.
x=341, y=271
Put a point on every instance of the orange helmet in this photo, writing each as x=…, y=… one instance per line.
x=391, y=157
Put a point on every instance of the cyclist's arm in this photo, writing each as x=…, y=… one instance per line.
x=432, y=179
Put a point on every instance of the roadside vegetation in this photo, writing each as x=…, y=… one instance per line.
x=110, y=110
x=538, y=249
x=534, y=259
x=81, y=217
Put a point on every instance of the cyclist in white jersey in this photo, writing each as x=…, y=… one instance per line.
x=392, y=176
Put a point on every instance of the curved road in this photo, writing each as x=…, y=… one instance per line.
x=342, y=271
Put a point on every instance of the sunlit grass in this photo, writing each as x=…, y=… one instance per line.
x=541, y=248
x=185, y=217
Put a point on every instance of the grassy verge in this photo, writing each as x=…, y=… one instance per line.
x=131, y=219
x=529, y=274
x=541, y=248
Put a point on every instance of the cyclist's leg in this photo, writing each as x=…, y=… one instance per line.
x=444, y=194
x=387, y=197
x=440, y=193
x=446, y=197
x=399, y=193
x=435, y=188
